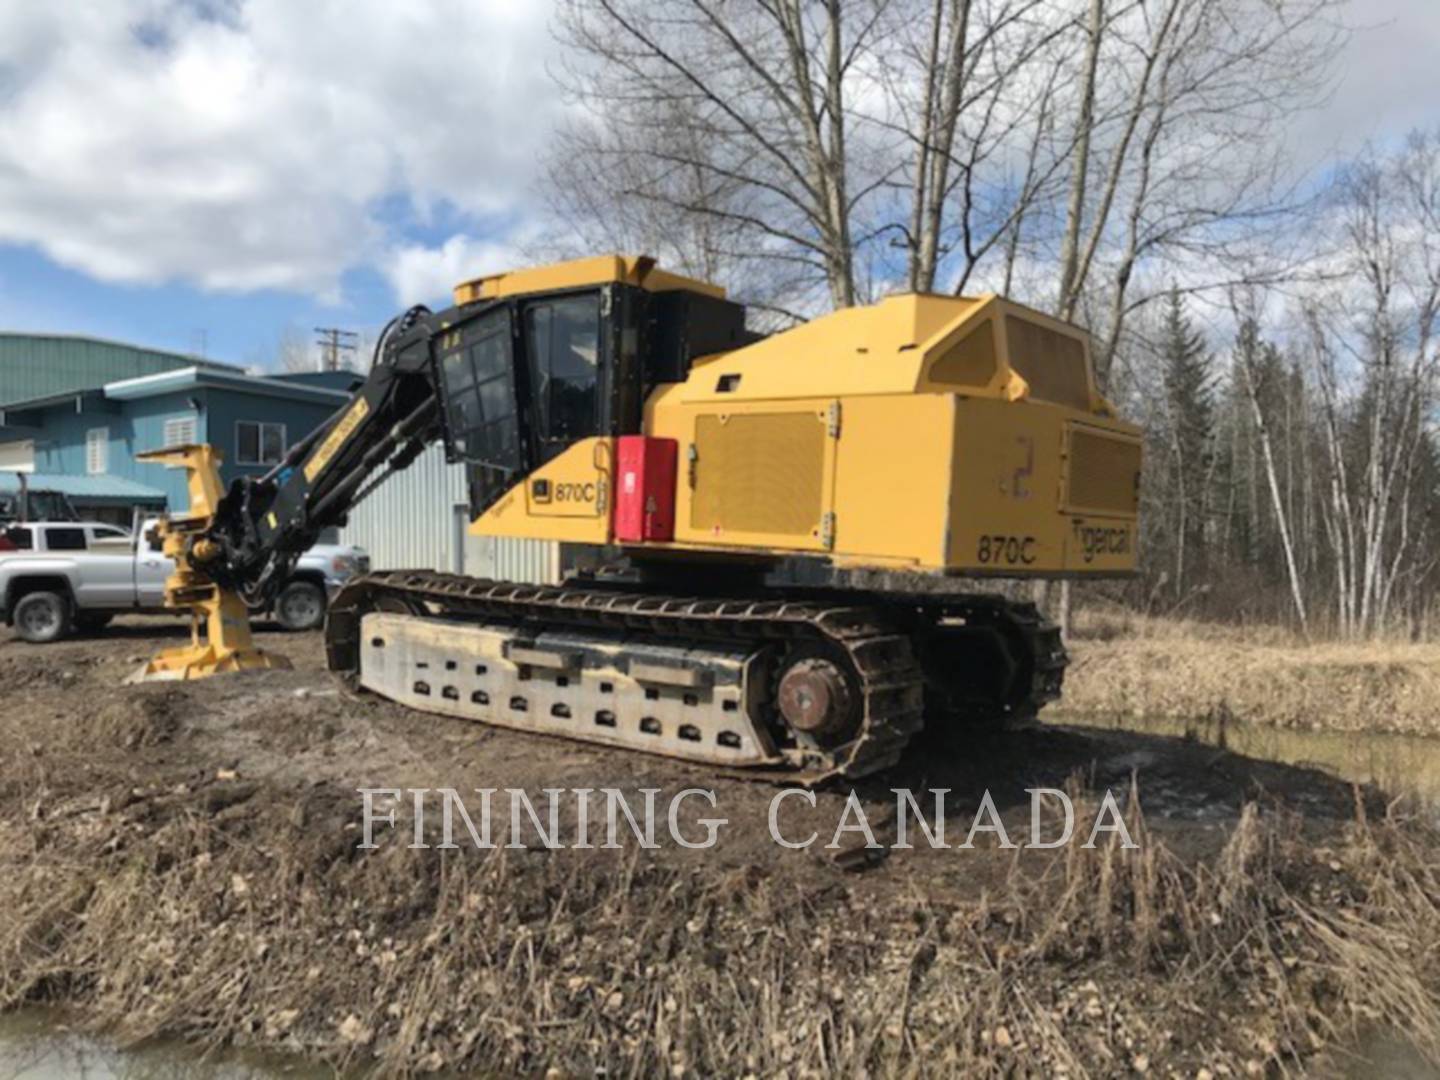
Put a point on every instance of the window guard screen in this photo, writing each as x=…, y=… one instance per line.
x=479, y=384
x=1051, y=362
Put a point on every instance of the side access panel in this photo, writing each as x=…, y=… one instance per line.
x=1100, y=497
x=760, y=475
x=892, y=480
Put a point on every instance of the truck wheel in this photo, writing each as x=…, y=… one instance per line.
x=41, y=617
x=92, y=622
x=300, y=606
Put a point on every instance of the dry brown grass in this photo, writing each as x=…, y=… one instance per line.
x=1165, y=668
x=262, y=926
x=1099, y=618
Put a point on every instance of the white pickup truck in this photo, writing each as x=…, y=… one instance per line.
x=76, y=575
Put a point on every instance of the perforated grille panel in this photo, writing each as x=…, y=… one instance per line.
x=1051, y=362
x=970, y=362
x=759, y=473
x=1104, y=473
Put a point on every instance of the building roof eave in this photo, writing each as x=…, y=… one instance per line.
x=79, y=401
x=167, y=382
x=102, y=488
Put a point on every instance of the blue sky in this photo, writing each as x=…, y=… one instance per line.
x=240, y=327
x=179, y=172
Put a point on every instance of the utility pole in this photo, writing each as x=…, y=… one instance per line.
x=334, y=341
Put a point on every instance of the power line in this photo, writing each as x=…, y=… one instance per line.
x=333, y=341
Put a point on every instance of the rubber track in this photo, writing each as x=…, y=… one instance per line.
x=892, y=688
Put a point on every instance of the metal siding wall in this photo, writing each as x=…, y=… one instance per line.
x=535, y=562
x=37, y=366
x=410, y=523
x=407, y=523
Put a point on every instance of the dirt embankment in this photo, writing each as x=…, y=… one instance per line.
x=182, y=861
x=1183, y=672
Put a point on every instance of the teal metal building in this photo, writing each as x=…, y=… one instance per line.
x=38, y=365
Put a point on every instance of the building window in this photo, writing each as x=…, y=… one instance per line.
x=97, y=450
x=180, y=431
x=17, y=456
x=258, y=443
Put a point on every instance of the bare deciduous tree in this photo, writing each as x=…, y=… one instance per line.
x=753, y=101
x=1375, y=364
x=294, y=351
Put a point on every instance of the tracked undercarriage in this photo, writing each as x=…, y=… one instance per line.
x=810, y=685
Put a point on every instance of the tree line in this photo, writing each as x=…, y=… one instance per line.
x=1293, y=473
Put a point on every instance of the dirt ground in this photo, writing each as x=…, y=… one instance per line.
x=182, y=860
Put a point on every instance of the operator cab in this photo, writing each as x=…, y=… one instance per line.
x=531, y=362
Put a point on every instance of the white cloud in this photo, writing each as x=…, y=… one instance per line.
x=422, y=274
x=264, y=143
x=1388, y=80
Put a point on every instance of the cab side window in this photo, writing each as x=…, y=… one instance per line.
x=99, y=533
x=562, y=339
x=65, y=539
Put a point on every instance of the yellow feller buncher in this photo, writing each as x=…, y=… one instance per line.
x=777, y=528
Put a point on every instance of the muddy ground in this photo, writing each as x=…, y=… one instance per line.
x=182, y=860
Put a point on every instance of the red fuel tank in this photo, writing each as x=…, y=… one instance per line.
x=645, y=489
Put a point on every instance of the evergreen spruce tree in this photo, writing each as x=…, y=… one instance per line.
x=1190, y=409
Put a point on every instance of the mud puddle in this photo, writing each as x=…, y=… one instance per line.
x=1400, y=764
x=36, y=1044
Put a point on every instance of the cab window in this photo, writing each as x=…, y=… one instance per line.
x=20, y=537
x=562, y=340
x=107, y=535
x=65, y=539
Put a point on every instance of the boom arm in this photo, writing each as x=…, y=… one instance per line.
x=263, y=524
